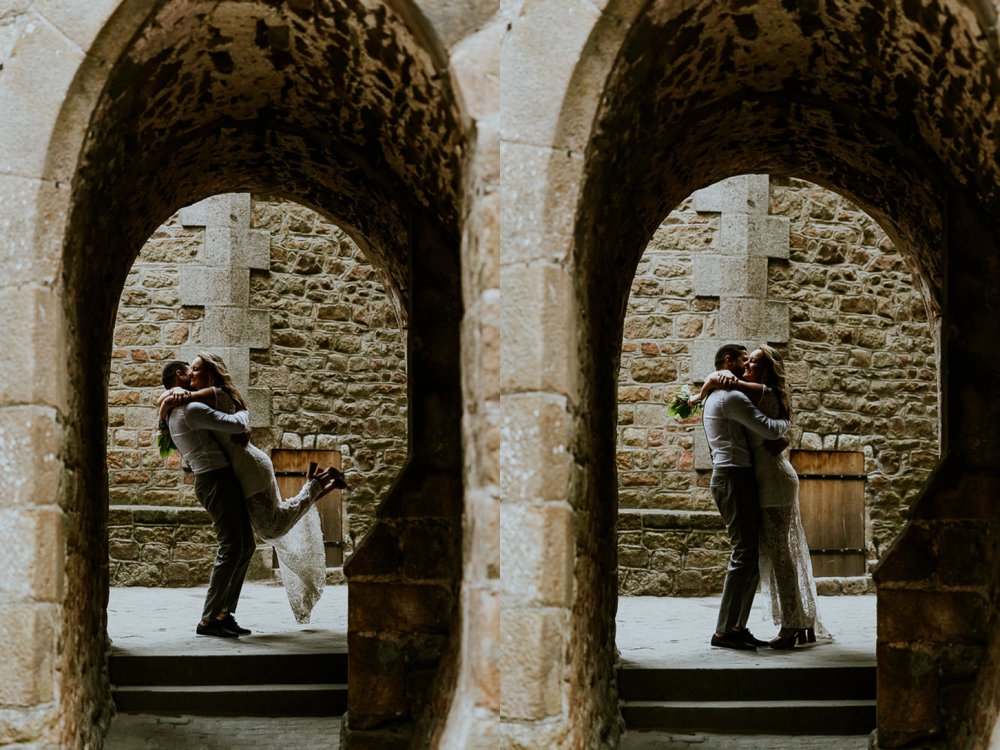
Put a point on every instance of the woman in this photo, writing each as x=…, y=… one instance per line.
x=785, y=568
x=292, y=526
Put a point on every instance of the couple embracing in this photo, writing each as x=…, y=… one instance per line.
x=204, y=416
x=746, y=414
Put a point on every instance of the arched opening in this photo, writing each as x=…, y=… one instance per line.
x=342, y=109
x=846, y=97
x=313, y=338
x=317, y=346
x=755, y=260
x=841, y=309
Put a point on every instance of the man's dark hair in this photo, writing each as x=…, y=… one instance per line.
x=729, y=350
x=170, y=372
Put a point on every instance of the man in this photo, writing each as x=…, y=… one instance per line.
x=191, y=426
x=727, y=415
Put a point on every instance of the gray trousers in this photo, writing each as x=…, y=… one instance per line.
x=735, y=494
x=219, y=492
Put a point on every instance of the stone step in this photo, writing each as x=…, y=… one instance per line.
x=285, y=699
x=130, y=669
x=280, y=683
x=786, y=683
x=805, y=717
x=806, y=699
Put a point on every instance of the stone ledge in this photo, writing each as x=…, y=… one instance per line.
x=638, y=518
x=143, y=515
x=841, y=585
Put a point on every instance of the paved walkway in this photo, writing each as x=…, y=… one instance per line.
x=652, y=632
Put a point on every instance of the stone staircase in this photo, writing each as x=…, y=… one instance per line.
x=272, y=684
x=808, y=700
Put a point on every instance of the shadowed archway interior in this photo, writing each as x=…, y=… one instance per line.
x=340, y=107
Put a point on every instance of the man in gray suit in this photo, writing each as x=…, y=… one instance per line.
x=727, y=415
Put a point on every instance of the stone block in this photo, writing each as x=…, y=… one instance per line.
x=774, y=240
x=537, y=546
x=30, y=446
x=759, y=320
x=140, y=417
x=702, y=453
x=29, y=634
x=400, y=608
x=475, y=58
x=744, y=194
x=376, y=680
x=31, y=249
x=725, y=276
x=653, y=415
x=255, y=253
x=33, y=368
x=219, y=246
x=205, y=285
x=754, y=236
x=259, y=404
x=913, y=615
x=81, y=23
x=538, y=321
x=223, y=210
x=535, y=440
x=532, y=645
x=535, y=229
x=539, y=66
x=33, y=541
x=258, y=329
x=40, y=66
x=910, y=710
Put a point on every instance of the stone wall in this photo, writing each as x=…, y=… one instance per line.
x=334, y=373
x=860, y=359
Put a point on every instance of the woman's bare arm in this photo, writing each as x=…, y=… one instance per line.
x=727, y=381
x=178, y=396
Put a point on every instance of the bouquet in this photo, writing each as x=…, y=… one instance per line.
x=681, y=406
x=163, y=440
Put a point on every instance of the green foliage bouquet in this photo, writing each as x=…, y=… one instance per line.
x=681, y=406
x=163, y=440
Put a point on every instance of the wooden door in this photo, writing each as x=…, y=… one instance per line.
x=290, y=469
x=832, y=502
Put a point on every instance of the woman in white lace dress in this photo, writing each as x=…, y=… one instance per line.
x=785, y=568
x=290, y=525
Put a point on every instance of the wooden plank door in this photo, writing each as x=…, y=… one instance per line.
x=290, y=468
x=832, y=503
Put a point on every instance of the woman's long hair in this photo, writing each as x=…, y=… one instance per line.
x=222, y=379
x=774, y=378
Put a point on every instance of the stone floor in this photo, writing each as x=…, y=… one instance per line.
x=673, y=632
x=653, y=632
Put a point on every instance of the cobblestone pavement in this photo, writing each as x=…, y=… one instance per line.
x=144, y=732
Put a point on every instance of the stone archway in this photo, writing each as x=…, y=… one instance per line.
x=667, y=99
x=363, y=111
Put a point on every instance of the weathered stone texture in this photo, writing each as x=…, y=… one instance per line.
x=860, y=361
x=336, y=367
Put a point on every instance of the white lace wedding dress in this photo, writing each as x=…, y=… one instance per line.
x=291, y=526
x=786, y=578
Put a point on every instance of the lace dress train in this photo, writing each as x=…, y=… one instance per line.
x=291, y=526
